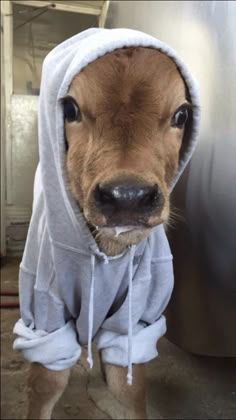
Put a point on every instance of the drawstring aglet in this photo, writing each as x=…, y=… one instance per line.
x=129, y=379
x=90, y=362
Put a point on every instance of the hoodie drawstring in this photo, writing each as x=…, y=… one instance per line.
x=130, y=327
x=91, y=314
x=91, y=307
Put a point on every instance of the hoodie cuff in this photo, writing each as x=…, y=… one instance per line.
x=56, y=351
x=114, y=347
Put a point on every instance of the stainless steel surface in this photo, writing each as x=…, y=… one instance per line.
x=202, y=313
x=24, y=147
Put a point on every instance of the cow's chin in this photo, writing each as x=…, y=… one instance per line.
x=127, y=235
x=120, y=237
x=113, y=239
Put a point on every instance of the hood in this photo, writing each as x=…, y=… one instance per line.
x=59, y=68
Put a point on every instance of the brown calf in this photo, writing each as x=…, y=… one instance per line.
x=125, y=115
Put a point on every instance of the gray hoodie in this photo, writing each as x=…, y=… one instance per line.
x=70, y=292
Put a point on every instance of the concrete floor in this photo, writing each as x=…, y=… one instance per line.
x=180, y=385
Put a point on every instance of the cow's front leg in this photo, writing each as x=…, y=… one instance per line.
x=45, y=387
x=132, y=397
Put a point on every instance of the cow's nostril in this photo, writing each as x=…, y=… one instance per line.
x=104, y=200
x=106, y=197
x=129, y=197
x=150, y=196
x=103, y=195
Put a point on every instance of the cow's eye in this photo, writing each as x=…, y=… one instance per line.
x=71, y=110
x=180, y=117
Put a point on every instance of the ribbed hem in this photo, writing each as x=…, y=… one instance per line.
x=57, y=350
x=114, y=347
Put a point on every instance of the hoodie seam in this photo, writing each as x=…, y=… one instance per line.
x=27, y=271
x=69, y=248
x=162, y=259
x=50, y=294
x=79, y=251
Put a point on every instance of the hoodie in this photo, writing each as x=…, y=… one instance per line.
x=71, y=293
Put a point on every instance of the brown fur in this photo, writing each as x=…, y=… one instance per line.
x=45, y=387
x=127, y=99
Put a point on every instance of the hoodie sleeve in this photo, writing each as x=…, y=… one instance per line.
x=46, y=332
x=153, y=298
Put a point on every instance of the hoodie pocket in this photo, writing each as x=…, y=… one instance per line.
x=161, y=288
x=49, y=312
x=118, y=322
x=26, y=295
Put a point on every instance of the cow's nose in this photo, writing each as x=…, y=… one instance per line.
x=128, y=197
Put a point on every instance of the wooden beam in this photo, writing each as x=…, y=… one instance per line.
x=7, y=62
x=6, y=92
x=103, y=15
x=80, y=8
x=3, y=154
